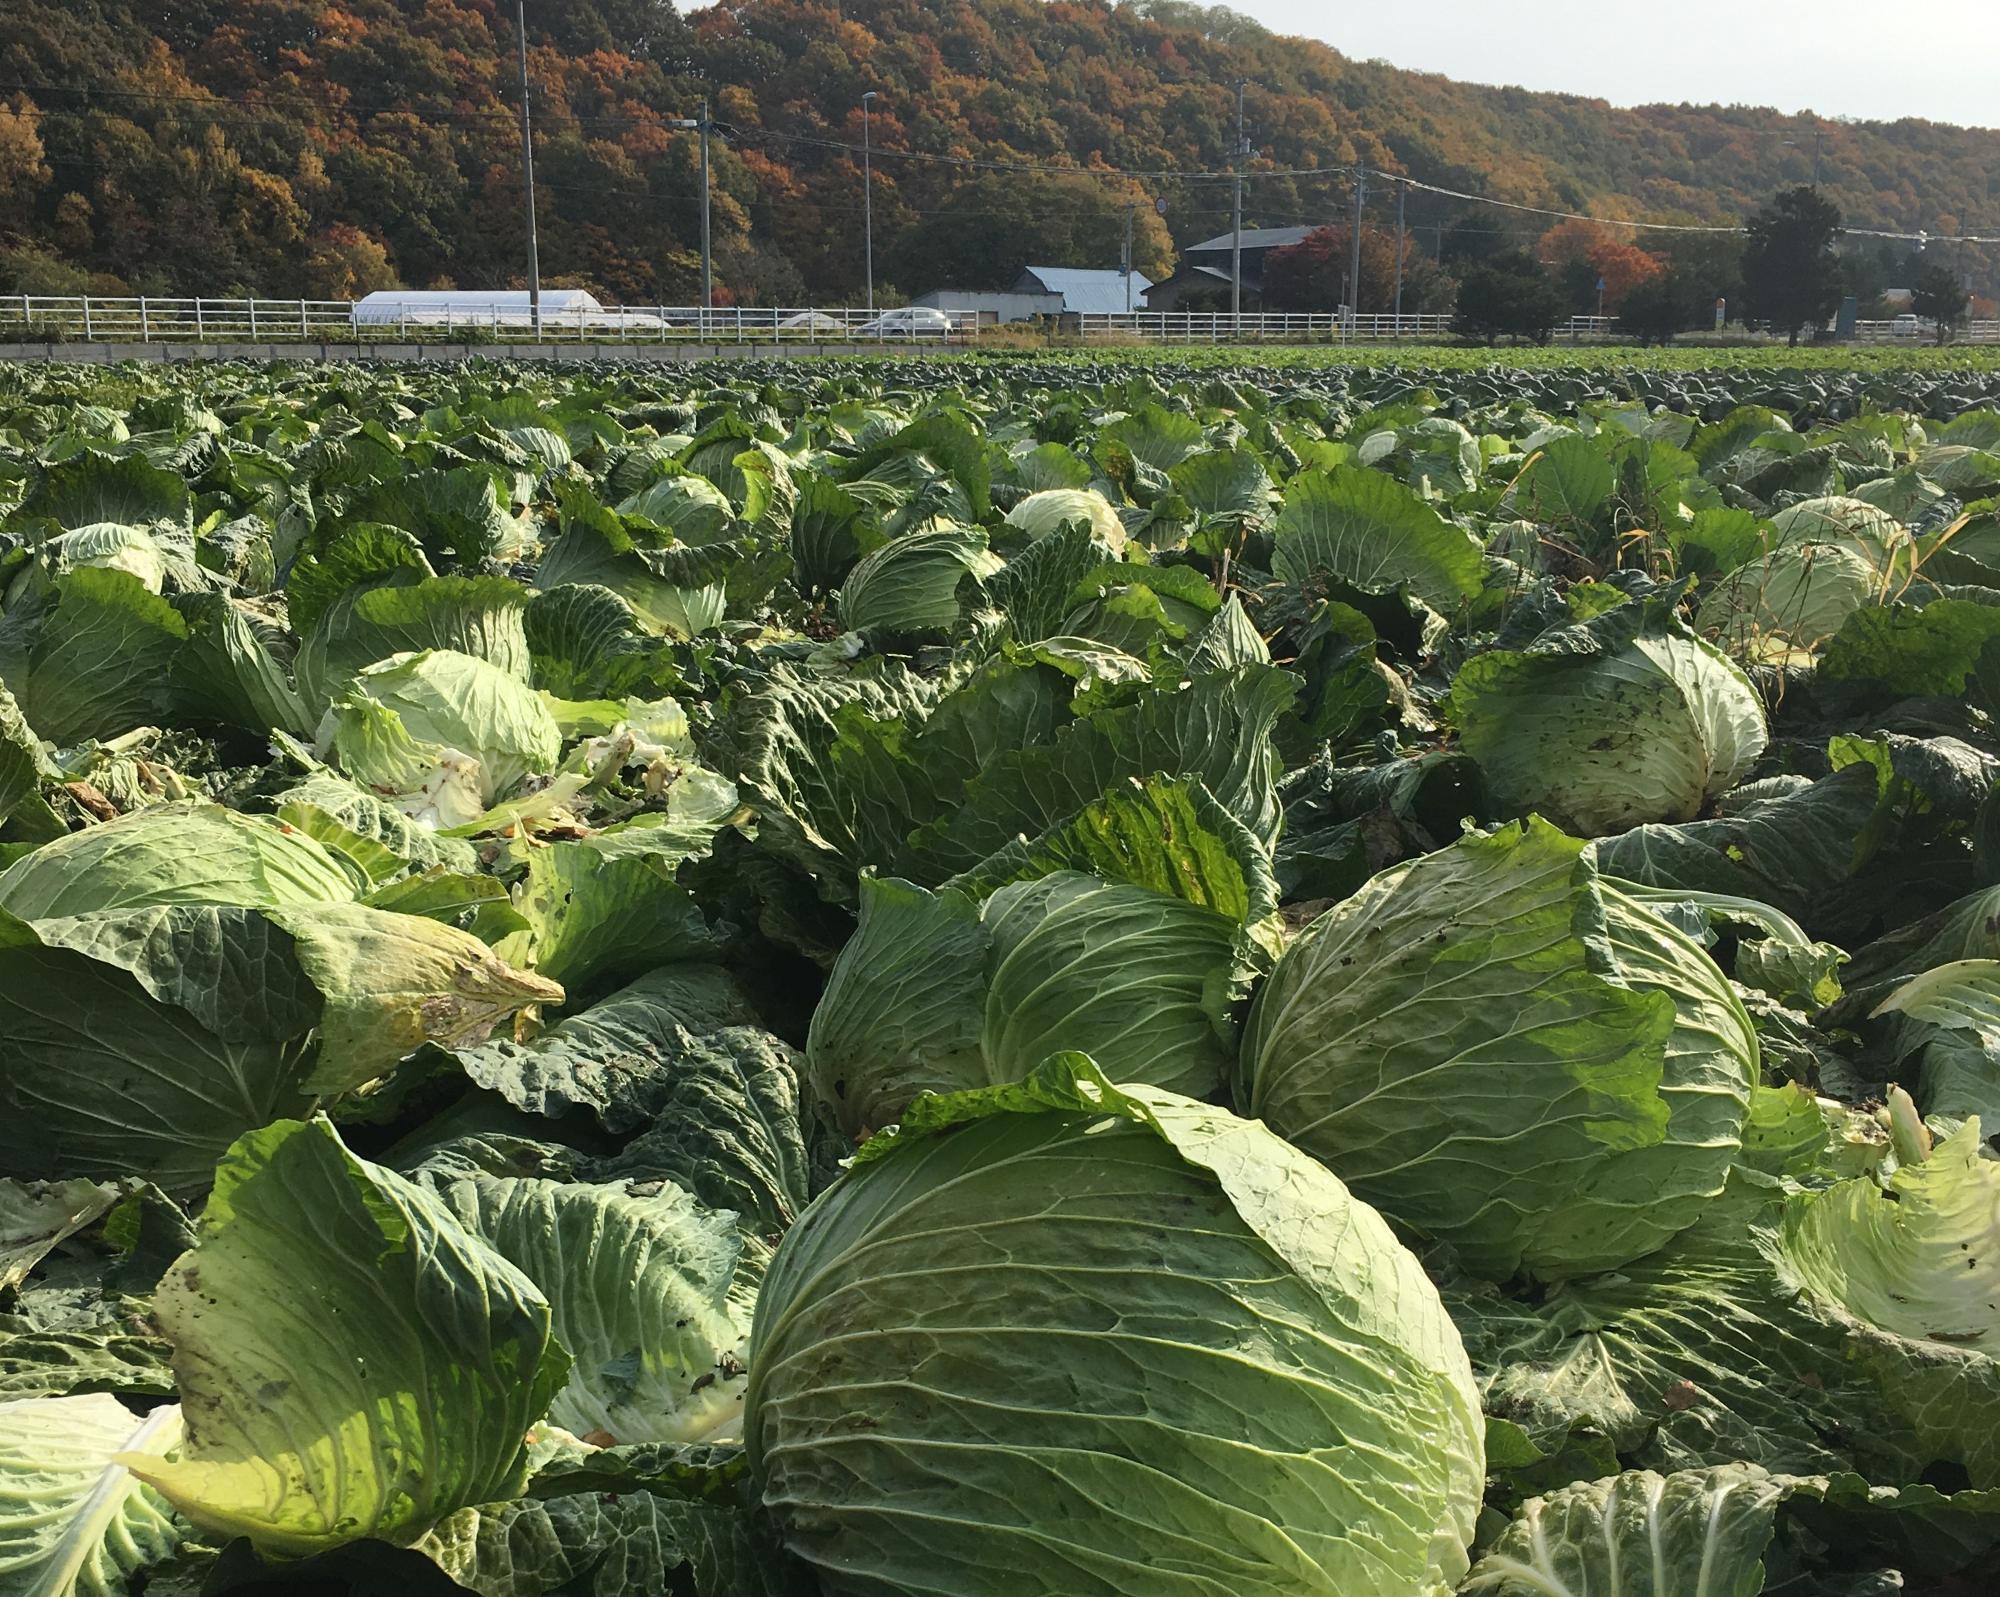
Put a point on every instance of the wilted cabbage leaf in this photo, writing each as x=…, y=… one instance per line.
x=74, y=1522
x=433, y=1354
x=1698, y=1533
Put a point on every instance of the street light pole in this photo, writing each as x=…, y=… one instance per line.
x=1354, y=252
x=1402, y=193
x=528, y=171
x=1130, y=207
x=1236, y=222
x=868, y=200
x=707, y=258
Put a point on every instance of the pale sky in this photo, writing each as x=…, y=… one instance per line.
x=1855, y=58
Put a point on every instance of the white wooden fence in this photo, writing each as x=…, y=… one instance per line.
x=76, y=318
x=1906, y=332
x=72, y=318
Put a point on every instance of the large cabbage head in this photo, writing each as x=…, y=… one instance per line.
x=446, y=735
x=1107, y=1340
x=1621, y=720
x=1789, y=601
x=1827, y=558
x=916, y=585
x=1042, y=513
x=1500, y=1051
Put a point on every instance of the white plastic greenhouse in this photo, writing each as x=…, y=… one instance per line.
x=472, y=307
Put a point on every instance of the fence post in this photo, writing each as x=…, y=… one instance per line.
x=253, y=320
x=200, y=326
x=145, y=322
x=305, y=332
x=87, y=333
x=27, y=314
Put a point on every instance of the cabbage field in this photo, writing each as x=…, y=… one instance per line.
x=1038, y=979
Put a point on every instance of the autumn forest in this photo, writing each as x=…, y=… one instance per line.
x=328, y=147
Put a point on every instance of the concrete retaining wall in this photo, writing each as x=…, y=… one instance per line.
x=616, y=354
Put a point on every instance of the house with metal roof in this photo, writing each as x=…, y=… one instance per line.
x=1086, y=289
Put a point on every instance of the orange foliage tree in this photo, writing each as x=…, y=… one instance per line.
x=1582, y=253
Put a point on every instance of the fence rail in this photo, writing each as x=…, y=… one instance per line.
x=1220, y=327
x=75, y=318
x=307, y=321
x=1902, y=331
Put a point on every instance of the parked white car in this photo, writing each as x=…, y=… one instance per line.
x=909, y=321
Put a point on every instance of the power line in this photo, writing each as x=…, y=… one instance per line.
x=1918, y=237
x=1573, y=216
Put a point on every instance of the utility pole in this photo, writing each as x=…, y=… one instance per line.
x=1402, y=193
x=868, y=200
x=528, y=172
x=1354, y=251
x=707, y=258
x=699, y=125
x=1130, y=207
x=1819, y=137
x=1236, y=221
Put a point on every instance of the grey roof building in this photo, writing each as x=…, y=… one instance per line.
x=1202, y=279
x=1256, y=240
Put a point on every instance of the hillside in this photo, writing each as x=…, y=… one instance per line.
x=305, y=145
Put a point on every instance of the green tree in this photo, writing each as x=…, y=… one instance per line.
x=989, y=229
x=1508, y=296
x=1655, y=310
x=1941, y=296
x=1791, y=272
x=1711, y=264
